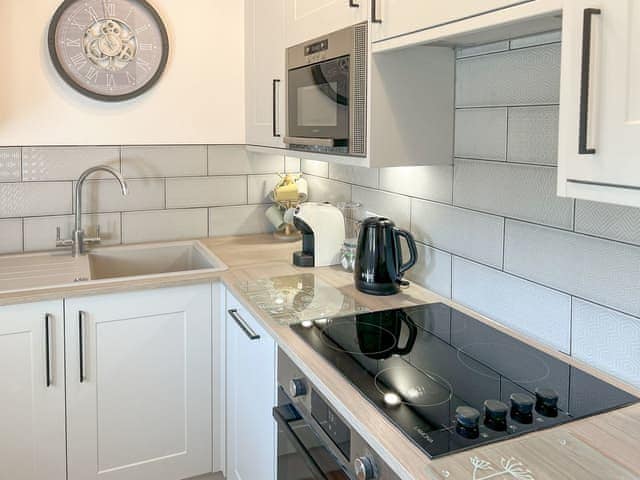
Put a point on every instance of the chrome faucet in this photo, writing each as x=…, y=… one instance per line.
x=78, y=240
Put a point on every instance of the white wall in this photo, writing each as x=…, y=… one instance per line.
x=199, y=99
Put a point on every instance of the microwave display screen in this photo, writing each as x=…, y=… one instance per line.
x=317, y=105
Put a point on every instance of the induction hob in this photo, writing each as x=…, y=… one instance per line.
x=451, y=382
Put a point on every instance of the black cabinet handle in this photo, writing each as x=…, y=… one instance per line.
x=276, y=83
x=81, y=317
x=353, y=4
x=374, y=12
x=47, y=350
x=583, y=149
x=248, y=331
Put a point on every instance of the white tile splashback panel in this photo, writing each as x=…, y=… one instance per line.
x=66, y=163
x=428, y=182
x=238, y=220
x=533, y=135
x=236, y=160
x=33, y=199
x=206, y=191
x=164, y=225
x=314, y=167
x=261, y=186
x=10, y=235
x=365, y=177
x=433, y=270
x=106, y=195
x=325, y=190
x=396, y=207
x=10, y=164
x=481, y=133
x=164, y=161
x=615, y=222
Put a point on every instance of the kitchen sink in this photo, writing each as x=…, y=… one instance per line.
x=160, y=259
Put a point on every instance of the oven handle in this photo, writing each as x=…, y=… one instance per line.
x=322, y=142
x=297, y=444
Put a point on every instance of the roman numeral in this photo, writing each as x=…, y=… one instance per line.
x=142, y=29
x=131, y=79
x=128, y=14
x=79, y=61
x=143, y=64
x=92, y=75
x=78, y=25
x=146, y=47
x=109, y=9
x=111, y=81
x=73, y=43
x=92, y=13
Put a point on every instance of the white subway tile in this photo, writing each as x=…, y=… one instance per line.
x=603, y=271
x=314, y=167
x=533, y=135
x=365, y=177
x=10, y=164
x=292, y=165
x=324, y=190
x=433, y=270
x=164, y=225
x=164, y=161
x=106, y=196
x=534, y=310
x=66, y=163
x=40, y=232
x=236, y=160
x=473, y=235
x=35, y=199
x=376, y=202
x=238, y=220
x=261, y=186
x=428, y=182
x=10, y=236
x=206, y=191
x=615, y=222
x=481, y=133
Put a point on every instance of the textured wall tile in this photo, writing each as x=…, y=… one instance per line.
x=365, y=177
x=292, y=165
x=607, y=340
x=533, y=135
x=428, y=182
x=520, y=77
x=106, y=196
x=481, y=133
x=473, y=235
x=33, y=199
x=206, y=191
x=324, y=190
x=237, y=160
x=600, y=270
x=395, y=207
x=537, y=311
x=164, y=161
x=10, y=164
x=66, y=163
x=539, y=39
x=616, y=222
x=314, y=167
x=261, y=186
x=40, y=232
x=164, y=225
x=239, y=220
x=518, y=191
x=484, y=49
x=10, y=236
x=433, y=270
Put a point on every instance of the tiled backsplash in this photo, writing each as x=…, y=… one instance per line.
x=175, y=192
x=492, y=233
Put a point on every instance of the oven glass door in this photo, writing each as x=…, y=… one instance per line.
x=301, y=454
x=318, y=100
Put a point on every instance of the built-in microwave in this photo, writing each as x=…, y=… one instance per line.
x=327, y=93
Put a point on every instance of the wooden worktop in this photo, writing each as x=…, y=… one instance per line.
x=600, y=447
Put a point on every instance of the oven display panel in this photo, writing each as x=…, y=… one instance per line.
x=331, y=424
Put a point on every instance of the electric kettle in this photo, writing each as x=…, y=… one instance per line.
x=379, y=266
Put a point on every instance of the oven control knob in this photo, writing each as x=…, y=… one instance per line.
x=547, y=402
x=297, y=388
x=365, y=468
x=521, y=407
x=467, y=421
x=495, y=415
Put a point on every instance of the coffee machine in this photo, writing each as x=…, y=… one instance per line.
x=322, y=228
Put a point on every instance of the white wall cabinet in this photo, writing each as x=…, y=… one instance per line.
x=265, y=72
x=392, y=18
x=32, y=409
x=251, y=396
x=139, y=385
x=603, y=163
x=307, y=19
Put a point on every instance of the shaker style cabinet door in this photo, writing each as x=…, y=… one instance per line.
x=265, y=79
x=251, y=396
x=139, y=384
x=307, y=19
x=392, y=18
x=599, y=150
x=32, y=416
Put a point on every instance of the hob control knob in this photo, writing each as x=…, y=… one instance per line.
x=522, y=407
x=297, y=388
x=495, y=415
x=547, y=402
x=467, y=420
x=365, y=468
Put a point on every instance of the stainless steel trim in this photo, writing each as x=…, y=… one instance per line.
x=322, y=142
x=339, y=44
x=249, y=332
x=81, y=348
x=48, y=361
x=358, y=91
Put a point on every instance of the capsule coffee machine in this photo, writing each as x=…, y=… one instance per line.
x=322, y=228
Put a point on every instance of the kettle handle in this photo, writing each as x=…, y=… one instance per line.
x=413, y=251
x=413, y=335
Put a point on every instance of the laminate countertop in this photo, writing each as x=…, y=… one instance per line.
x=601, y=447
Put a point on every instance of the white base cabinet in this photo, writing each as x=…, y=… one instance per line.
x=251, y=396
x=32, y=405
x=139, y=385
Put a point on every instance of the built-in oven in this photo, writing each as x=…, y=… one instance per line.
x=327, y=93
x=314, y=441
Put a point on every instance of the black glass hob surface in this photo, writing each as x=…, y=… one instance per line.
x=451, y=382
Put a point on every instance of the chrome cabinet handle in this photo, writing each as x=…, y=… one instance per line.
x=48, y=361
x=353, y=4
x=81, y=349
x=248, y=331
x=583, y=148
x=374, y=12
x=276, y=83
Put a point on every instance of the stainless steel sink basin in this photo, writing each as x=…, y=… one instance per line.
x=158, y=259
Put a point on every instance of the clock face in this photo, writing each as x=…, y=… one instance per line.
x=110, y=50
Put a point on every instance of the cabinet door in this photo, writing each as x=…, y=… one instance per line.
x=139, y=385
x=399, y=17
x=607, y=167
x=307, y=19
x=251, y=396
x=265, y=64
x=32, y=417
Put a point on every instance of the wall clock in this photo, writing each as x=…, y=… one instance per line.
x=109, y=50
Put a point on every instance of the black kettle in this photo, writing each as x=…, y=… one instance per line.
x=379, y=267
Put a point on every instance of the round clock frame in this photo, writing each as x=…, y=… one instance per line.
x=73, y=83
